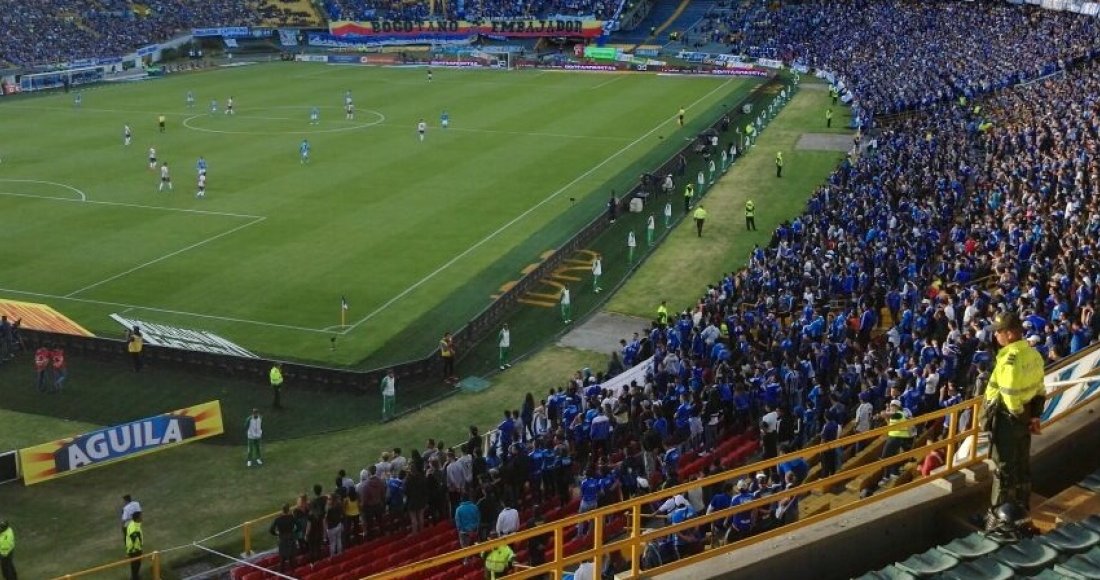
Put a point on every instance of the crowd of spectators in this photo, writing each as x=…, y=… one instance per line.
x=901, y=54
x=876, y=302
x=471, y=10
x=42, y=32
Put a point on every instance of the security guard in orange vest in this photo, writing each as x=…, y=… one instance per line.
x=1014, y=400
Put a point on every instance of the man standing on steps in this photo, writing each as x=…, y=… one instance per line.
x=1014, y=402
x=828, y=118
x=255, y=432
x=750, y=215
x=505, y=339
x=597, y=271
x=566, y=306
x=631, y=243
x=388, y=386
x=650, y=230
x=689, y=192
x=668, y=214
x=700, y=217
x=779, y=164
x=276, y=379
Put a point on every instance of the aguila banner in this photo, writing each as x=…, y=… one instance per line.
x=67, y=456
x=518, y=28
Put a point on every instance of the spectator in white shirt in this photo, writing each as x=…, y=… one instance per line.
x=507, y=522
x=129, y=508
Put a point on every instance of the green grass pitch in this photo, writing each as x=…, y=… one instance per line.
x=398, y=226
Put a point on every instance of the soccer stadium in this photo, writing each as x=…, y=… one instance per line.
x=347, y=289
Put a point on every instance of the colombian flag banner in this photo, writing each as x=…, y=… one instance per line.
x=67, y=456
x=517, y=28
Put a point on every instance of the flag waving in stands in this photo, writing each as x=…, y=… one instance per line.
x=343, y=310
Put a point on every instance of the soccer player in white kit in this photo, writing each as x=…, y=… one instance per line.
x=164, y=178
x=152, y=159
x=229, y=106
x=421, y=127
x=201, y=193
x=127, y=135
x=349, y=112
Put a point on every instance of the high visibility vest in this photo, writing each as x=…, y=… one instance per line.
x=750, y=209
x=779, y=160
x=662, y=314
x=900, y=432
x=700, y=214
x=136, y=343
x=689, y=191
x=134, y=538
x=1017, y=376
x=7, y=542
x=445, y=348
x=276, y=377
x=497, y=561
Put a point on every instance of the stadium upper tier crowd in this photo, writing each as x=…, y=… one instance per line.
x=880, y=294
x=472, y=10
x=899, y=55
x=51, y=31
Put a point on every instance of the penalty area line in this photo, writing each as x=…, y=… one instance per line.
x=526, y=213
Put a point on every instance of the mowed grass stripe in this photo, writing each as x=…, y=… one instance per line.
x=373, y=214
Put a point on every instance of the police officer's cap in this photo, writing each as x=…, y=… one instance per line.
x=1007, y=321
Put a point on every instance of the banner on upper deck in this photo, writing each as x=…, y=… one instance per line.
x=66, y=456
x=518, y=28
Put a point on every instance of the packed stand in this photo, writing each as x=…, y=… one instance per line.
x=42, y=32
x=900, y=55
x=873, y=306
x=471, y=10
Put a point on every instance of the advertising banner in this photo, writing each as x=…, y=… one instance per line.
x=183, y=338
x=519, y=28
x=41, y=317
x=230, y=31
x=67, y=456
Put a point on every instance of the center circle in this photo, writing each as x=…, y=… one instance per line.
x=377, y=119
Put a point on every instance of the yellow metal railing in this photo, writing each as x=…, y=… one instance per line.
x=153, y=557
x=637, y=536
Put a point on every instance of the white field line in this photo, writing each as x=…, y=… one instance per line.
x=165, y=257
x=132, y=205
x=526, y=213
x=162, y=310
x=618, y=77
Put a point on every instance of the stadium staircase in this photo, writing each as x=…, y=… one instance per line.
x=686, y=18
x=662, y=12
x=398, y=549
x=1068, y=548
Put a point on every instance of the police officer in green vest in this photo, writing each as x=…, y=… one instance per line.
x=135, y=541
x=7, y=551
x=779, y=164
x=1014, y=400
x=898, y=439
x=750, y=215
x=700, y=218
x=499, y=561
x=833, y=94
x=828, y=118
x=276, y=378
x=689, y=192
